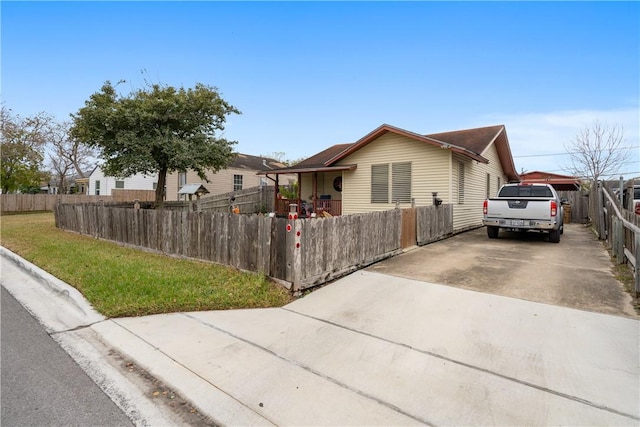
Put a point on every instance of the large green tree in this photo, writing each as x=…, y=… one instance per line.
x=157, y=129
x=22, y=143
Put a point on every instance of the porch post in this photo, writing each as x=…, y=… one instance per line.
x=315, y=191
x=275, y=194
x=299, y=193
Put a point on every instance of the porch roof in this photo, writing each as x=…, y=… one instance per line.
x=309, y=169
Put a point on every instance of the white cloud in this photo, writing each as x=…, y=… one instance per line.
x=535, y=134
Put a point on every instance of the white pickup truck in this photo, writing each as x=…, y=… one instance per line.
x=524, y=207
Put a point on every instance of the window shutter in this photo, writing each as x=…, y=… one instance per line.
x=460, y=183
x=380, y=183
x=401, y=182
x=488, y=185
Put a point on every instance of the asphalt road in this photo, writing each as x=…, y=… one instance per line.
x=575, y=273
x=41, y=384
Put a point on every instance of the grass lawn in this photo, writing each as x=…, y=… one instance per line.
x=120, y=281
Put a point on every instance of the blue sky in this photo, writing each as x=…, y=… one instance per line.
x=307, y=75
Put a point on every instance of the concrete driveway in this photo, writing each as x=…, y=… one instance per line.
x=575, y=273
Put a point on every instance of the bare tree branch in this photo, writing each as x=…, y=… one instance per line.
x=67, y=155
x=597, y=151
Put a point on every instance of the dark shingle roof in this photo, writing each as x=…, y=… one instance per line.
x=476, y=140
x=255, y=163
x=319, y=159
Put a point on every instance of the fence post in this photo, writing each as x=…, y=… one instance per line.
x=600, y=213
x=294, y=256
x=637, y=266
x=617, y=240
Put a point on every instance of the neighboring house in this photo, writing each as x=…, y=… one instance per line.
x=392, y=167
x=74, y=184
x=240, y=174
x=559, y=182
x=101, y=184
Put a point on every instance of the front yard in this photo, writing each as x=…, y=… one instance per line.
x=120, y=281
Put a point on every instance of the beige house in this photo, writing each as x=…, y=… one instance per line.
x=392, y=167
x=239, y=175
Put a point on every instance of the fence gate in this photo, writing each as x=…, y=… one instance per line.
x=409, y=233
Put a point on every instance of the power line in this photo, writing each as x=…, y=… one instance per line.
x=570, y=152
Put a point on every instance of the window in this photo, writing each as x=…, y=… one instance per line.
x=380, y=183
x=488, y=185
x=97, y=187
x=526, y=191
x=182, y=181
x=237, y=182
x=401, y=182
x=460, y=183
x=155, y=185
x=119, y=184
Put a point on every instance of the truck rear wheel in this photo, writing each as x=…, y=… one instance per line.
x=492, y=232
x=554, y=236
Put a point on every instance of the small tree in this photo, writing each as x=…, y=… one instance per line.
x=597, y=151
x=21, y=144
x=158, y=129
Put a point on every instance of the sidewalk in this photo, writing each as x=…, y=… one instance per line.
x=372, y=349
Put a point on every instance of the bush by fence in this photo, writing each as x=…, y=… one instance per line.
x=303, y=252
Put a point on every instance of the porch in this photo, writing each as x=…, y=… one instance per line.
x=322, y=207
x=318, y=190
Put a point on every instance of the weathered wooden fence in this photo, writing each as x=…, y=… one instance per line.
x=248, y=201
x=123, y=195
x=618, y=226
x=434, y=223
x=579, y=205
x=43, y=202
x=47, y=202
x=303, y=252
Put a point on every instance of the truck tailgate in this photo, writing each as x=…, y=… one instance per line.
x=519, y=208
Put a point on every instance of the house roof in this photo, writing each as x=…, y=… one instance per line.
x=546, y=175
x=385, y=128
x=559, y=182
x=320, y=159
x=476, y=140
x=470, y=143
x=255, y=163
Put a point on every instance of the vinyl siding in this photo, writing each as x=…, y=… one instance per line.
x=220, y=182
x=108, y=183
x=429, y=172
x=469, y=214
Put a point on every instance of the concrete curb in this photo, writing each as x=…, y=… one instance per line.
x=78, y=328
x=56, y=286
